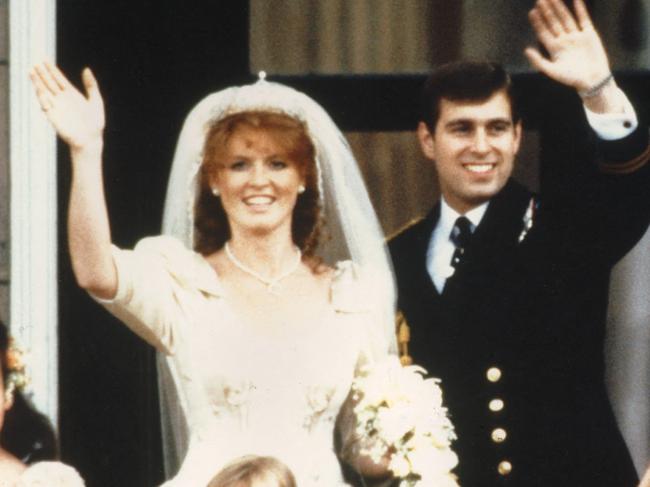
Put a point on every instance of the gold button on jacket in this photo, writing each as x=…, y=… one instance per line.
x=505, y=467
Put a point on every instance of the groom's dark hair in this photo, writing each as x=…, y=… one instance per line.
x=473, y=81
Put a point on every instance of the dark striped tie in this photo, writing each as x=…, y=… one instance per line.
x=460, y=235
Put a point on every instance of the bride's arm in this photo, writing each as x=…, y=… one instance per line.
x=79, y=119
x=394, y=423
x=353, y=445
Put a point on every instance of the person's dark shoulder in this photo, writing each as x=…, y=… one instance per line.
x=411, y=240
x=27, y=434
x=405, y=238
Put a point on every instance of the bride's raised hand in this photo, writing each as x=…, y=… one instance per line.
x=78, y=118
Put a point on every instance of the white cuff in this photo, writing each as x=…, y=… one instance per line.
x=614, y=126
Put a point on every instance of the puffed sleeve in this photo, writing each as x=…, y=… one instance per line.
x=355, y=292
x=393, y=420
x=156, y=282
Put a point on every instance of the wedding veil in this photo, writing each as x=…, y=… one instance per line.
x=350, y=220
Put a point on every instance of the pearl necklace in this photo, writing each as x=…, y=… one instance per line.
x=271, y=283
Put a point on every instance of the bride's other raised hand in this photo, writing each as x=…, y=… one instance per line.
x=77, y=117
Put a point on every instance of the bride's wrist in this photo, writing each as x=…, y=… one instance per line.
x=89, y=149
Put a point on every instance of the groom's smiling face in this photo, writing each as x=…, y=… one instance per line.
x=473, y=148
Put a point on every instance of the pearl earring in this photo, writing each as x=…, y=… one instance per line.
x=215, y=192
x=301, y=189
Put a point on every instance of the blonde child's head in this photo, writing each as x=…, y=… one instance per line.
x=254, y=471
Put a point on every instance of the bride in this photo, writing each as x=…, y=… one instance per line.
x=251, y=296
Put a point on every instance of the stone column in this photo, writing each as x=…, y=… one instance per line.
x=33, y=203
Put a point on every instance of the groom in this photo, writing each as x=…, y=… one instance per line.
x=506, y=291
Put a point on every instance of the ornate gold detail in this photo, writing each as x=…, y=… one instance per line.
x=403, y=339
x=404, y=227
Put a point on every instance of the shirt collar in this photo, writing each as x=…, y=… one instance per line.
x=448, y=216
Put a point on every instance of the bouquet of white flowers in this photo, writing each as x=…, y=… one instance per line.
x=400, y=414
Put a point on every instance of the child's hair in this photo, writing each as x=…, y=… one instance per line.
x=254, y=471
x=25, y=433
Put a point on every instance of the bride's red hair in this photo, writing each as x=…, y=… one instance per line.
x=210, y=219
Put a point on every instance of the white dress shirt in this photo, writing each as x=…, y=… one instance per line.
x=441, y=248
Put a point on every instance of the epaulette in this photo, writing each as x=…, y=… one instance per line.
x=404, y=228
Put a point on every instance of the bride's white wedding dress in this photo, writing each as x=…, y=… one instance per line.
x=248, y=389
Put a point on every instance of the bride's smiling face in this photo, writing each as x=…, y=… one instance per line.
x=258, y=182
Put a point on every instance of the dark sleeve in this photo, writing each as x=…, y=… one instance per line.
x=606, y=210
x=624, y=179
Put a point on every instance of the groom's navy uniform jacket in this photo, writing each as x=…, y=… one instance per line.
x=517, y=334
